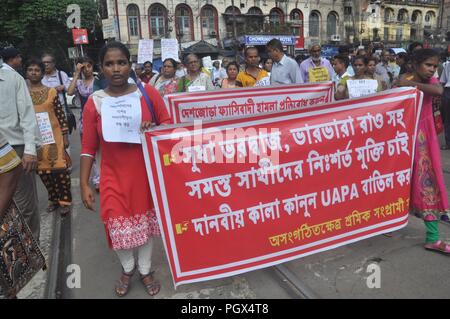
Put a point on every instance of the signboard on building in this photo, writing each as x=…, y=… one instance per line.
x=80, y=36
x=263, y=39
x=109, y=27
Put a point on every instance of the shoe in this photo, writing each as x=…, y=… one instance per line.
x=445, y=147
x=439, y=246
x=445, y=218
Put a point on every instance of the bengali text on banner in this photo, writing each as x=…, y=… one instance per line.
x=242, y=194
x=216, y=105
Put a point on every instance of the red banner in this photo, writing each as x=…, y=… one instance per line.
x=242, y=194
x=214, y=105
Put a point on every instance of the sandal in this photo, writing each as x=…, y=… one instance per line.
x=151, y=285
x=123, y=284
x=52, y=207
x=438, y=246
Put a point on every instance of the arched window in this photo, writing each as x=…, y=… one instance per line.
x=402, y=16
x=416, y=17
x=184, y=23
x=297, y=22
x=314, y=24
x=388, y=15
x=430, y=17
x=133, y=21
x=276, y=16
x=332, y=22
x=255, y=11
x=209, y=22
x=157, y=14
x=230, y=10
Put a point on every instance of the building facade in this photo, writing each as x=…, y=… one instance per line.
x=396, y=23
x=310, y=21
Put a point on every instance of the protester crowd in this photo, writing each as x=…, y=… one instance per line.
x=36, y=122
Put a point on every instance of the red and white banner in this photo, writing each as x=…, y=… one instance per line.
x=216, y=105
x=242, y=194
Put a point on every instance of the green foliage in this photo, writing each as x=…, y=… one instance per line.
x=35, y=26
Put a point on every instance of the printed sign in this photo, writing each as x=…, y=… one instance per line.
x=169, y=49
x=145, y=51
x=358, y=88
x=121, y=118
x=80, y=36
x=319, y=74
x=45, y=128
x=243, y=194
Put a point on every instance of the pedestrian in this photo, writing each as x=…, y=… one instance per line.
x=428, y=192
x=267, y=65
x=340, y=66
x=12, y=59
x=126, y=205
x=218, y=73
x=415, y=46
x=231, y=81
x=148, y=73
x=252, y=72
x=83, y=86
x=195, y=80
x=10, y=171
x=166, y=82
x=138, y=70
x=360, y=66
x=316, y=68
x=403, y=62
x=285, y=70
x=384, y=70
x=59, y=80
x=53, y=160
x=18, y=125
x=445, y=80
x=371, y=67
x=181, y=70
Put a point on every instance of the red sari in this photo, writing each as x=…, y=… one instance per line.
x=126, y=205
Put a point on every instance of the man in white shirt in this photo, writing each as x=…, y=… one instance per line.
x=285, y=70
x=55, y=78
x=12, y=60
x=18, y=126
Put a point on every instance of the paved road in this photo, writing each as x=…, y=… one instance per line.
x=407, y=270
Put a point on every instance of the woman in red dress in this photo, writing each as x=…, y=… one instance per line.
x=126, y=205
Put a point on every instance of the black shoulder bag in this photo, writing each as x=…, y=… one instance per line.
x=71, y=120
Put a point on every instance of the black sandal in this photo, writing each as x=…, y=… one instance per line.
x=124, y=283
x=153, y=287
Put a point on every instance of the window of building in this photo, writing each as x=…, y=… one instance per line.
x=297, y=22
x=332, y=21
x=276, y=16
x=209, y=18
x=314, y=24
x=158, y=17
x=133, y=20
x=184, y=23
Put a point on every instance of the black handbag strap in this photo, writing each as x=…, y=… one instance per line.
x=63, y=93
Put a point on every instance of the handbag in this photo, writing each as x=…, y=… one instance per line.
x=148, y=102
x=20, y=255
x=438, y=123
x=71, y=120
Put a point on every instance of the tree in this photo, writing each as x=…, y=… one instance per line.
x=37, y=26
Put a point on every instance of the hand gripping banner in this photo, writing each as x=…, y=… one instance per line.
x=243, y=194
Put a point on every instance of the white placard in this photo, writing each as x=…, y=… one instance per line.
x=358, y=88
x=145, y=51
x=169, y=49
x=263, y=82
x=196, y=88
x=45, y=128
x=121, y=119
